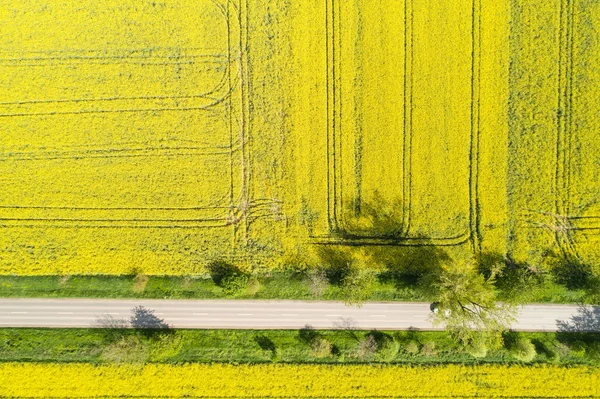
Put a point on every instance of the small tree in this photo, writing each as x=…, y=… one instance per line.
x=318, y=283
x=550, y=349
x=349, y=271
x=357, y=286
x=253, y=286
x=366, y=348
x=139, y=283
x=387, y=349
x=318, y=344
x=230, y=278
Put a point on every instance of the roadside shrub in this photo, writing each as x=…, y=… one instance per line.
x=523, y=349
x=320, y=347
x=552, y=354
x=318, y=344
x=377, y=346
x=428, y=349
x=412, y=347
x=337, y=353
x=573, y=273
x=63, y=280
x=515, y=281
x=348, y=271
x=477, y=348
x=550, y=349
x=577, y=348
x=230, y=278
x=253, y=286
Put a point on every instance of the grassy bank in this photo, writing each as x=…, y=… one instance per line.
x=278, y=285
x=98, y=346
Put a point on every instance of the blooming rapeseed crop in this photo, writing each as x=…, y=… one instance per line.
x=296, y=381
x=164, y=135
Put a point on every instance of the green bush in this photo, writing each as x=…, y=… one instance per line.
x=523, y=349
x=477, y=348
x=387, y=349
x=233, y=280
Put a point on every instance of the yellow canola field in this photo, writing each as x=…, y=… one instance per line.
x=143, y=136
x=296, y=381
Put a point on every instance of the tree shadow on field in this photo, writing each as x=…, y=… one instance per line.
x=265, y=343
x=308, y=335
x=378, y=217
x=410, y=335
x=514, y=281
x=348, y=326
x=411, y=266
x=220, y=270
x=379, y=336
x=415, y=266
x=336, y=261
x=573, y=273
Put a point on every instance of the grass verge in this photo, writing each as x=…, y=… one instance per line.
x=278, y=285
x=98, y=346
